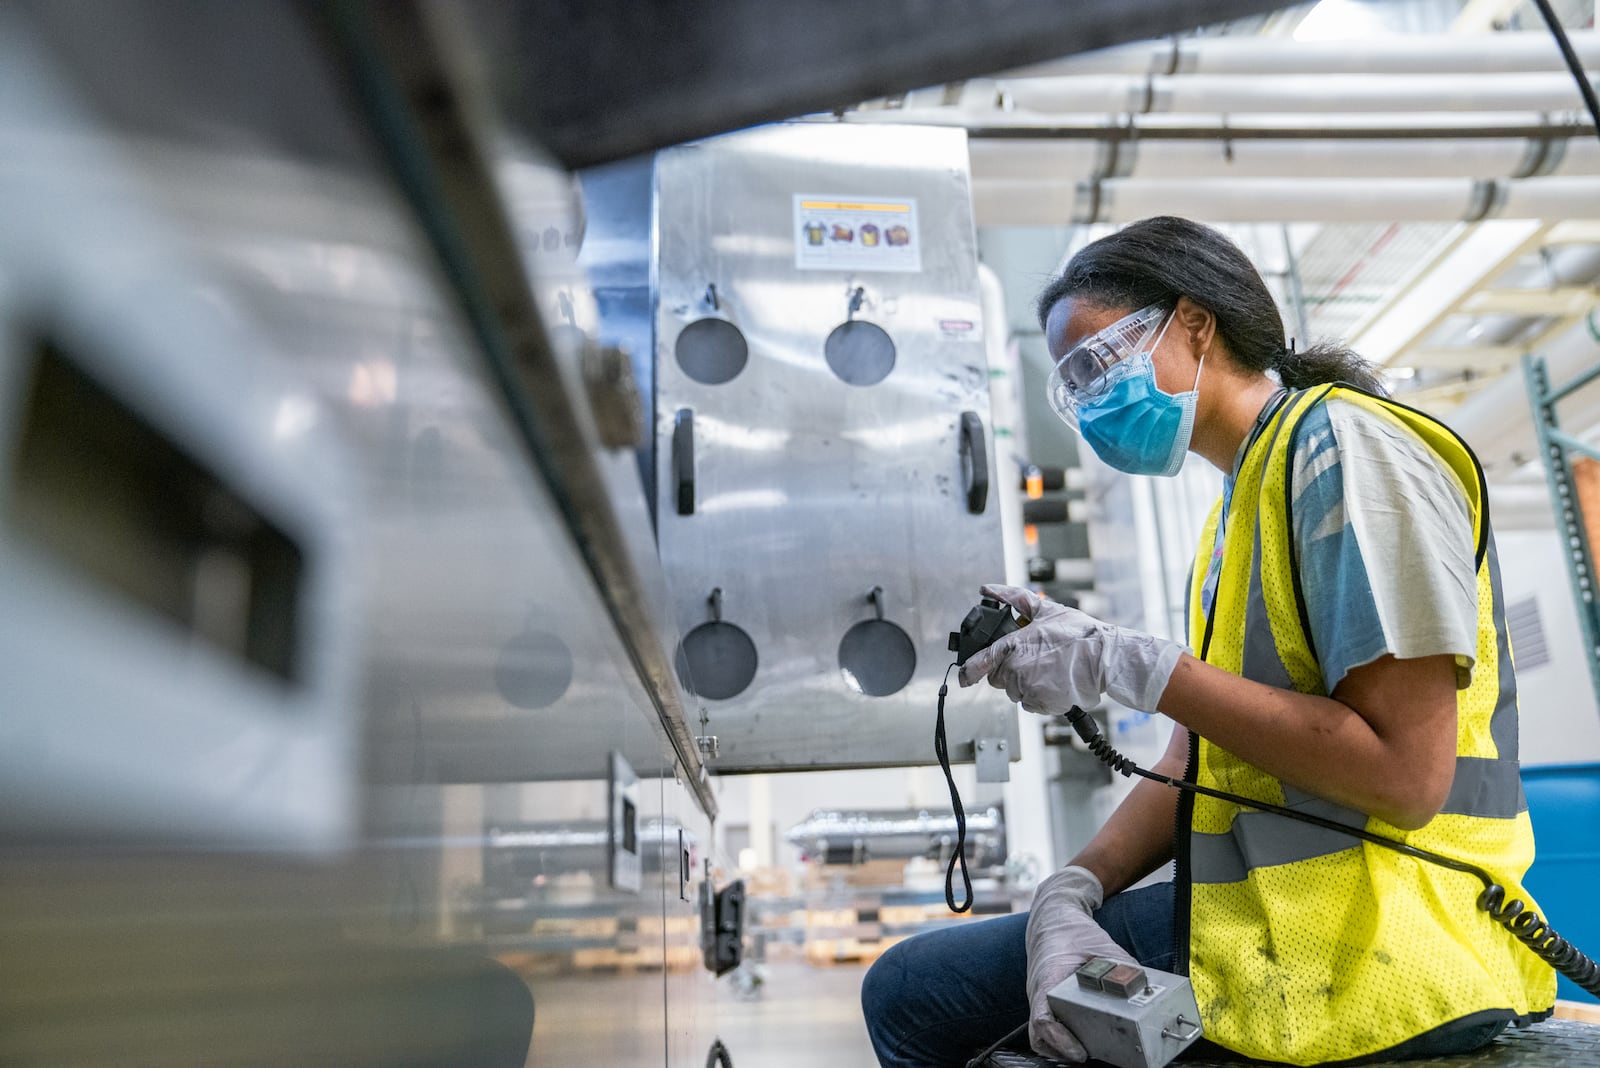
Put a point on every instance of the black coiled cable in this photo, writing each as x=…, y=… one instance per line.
x=1527, y=926
x=1109, y=756
x=941, y=749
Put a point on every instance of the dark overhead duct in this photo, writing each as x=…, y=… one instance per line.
x=601, y=81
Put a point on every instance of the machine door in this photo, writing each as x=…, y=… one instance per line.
x=823, y=448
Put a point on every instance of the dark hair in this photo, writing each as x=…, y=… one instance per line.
x=1158, y=260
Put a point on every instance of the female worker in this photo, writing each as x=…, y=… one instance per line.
x=1347, y=656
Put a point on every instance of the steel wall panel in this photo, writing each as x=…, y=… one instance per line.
x=810, y=491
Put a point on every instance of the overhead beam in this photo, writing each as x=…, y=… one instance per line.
x=604, y=80
x=1574, y=232
x=1480, y=253
x=1478, y=357
x=1562, y=301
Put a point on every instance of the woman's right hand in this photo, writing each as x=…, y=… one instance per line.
x=1064, y=657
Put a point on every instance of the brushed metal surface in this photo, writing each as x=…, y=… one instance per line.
x=433, y=131
x=493, y=682
x=811, y=491
x=691, y=989
x=477, y=588
x=148, y=439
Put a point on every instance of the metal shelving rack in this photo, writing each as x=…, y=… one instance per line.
x=1556, y=448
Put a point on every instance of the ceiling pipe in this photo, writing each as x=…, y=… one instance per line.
x=1473, y=146
x=1056, y=202
x=1221, y=157
x=983, y=119
x=1444, y=53
x=1306, y=94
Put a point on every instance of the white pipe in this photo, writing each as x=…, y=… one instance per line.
x=1295, y=93
x=1303, y=199
x=1082, y=159
x=1447, y=53
x=1472, y=125
x=1026, y=792
x=1005, y=407
x=1551, y=198
x=1055, y=202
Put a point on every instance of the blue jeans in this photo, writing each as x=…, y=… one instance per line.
x=942, y=997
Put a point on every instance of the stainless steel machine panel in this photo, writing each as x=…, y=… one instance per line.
x=822, y=440
x=482, y=670
x=180, y=523
x=691, y=988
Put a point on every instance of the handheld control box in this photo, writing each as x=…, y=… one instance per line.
x=985, y=624
x=1126, y=1015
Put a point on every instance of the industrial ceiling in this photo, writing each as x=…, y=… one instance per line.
x=1418, y=178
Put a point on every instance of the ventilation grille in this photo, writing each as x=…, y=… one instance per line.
x=1528, y=646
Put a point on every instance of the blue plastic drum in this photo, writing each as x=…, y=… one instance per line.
x=1564, y=804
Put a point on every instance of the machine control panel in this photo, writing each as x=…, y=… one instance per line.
x=1126, y=1015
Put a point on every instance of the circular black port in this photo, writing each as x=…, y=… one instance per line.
x=877, y=658
x=716, y=661
x=711, y=351
x=860, y=353
x=534, y=670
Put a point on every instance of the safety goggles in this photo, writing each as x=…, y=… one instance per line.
x=1095, y=364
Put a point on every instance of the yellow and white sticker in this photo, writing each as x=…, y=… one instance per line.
x=840, y=233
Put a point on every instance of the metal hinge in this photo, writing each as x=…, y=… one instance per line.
x=992, y=758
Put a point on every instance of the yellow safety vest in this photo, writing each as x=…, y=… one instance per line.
x=1306, y=945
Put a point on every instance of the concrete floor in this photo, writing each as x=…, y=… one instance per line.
x=806, y=1017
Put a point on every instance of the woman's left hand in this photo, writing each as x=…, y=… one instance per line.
x=1066, y=657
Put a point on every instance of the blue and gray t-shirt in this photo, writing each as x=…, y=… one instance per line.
x=1384, y=540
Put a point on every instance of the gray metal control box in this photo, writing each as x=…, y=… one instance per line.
x=1128, y=1016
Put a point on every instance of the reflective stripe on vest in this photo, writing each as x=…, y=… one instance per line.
x=1307, y=945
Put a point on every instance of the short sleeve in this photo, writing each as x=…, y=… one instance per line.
x=1384, y=542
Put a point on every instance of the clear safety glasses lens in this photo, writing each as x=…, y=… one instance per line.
x=1086, y=371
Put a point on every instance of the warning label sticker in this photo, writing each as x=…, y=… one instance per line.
x=837, y=233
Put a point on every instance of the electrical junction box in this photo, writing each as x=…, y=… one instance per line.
x=1128, y=1016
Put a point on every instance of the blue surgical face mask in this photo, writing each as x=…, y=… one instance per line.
x=1129, y=422
x=1134, y=427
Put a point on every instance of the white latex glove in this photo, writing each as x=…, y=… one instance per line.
x=1062, y=935
x=1065, y=657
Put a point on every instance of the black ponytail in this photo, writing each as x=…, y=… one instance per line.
x=1158, y=260
x=1326, y=362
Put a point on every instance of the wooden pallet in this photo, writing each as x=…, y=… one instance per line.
x=830, y=917
x=897, y=915
x=1578, y=1010
x=575, y=927
x=827, y=952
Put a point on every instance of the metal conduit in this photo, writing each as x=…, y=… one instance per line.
x=1022, y=202
x=1445, y=53
x=1313, y=157
x=1262, y=109
x=1292, y=93
x=1404, y=169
